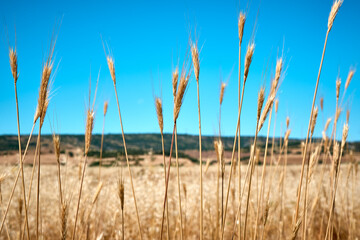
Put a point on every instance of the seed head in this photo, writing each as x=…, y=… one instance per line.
x=266, y=111
x=241, y=24
x=98, y=190
x=338, y=83
x=111, y=65
x=13, y=64
x=277, y=73
x=327, y=124
x=175, y=77
x=344, y=135
x=347, y=116
x=88, y=130
x=121, y=193
x=56, y=141
x=349, y=77
x=222, y=90
x=159, y=113
x=180, y=95
x=334, y=10
x=260, y=102
x=287, y=122
x=276, y=105
x=105, y=107
x=248, y=59
x=322, y=104
x=195, y=60
x=313, y=120
x=286, y=138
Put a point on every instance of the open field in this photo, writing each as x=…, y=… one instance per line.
x=105, y=216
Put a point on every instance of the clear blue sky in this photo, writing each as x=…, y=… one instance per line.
x=147, y=37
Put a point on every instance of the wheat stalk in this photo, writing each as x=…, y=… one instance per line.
x=88, y=135
x=111, y=66
x=331, y=19
x=178, y=100
x=196, y=66
x=267, y=108
x=159, y=114
x=241, y=24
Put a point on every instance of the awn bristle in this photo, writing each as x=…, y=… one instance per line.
x=327, y=124
x=159, y=113
x=334, y=10
x=111, y=65
x=56, y=141
x=347, y=116
x=349, y=77
x=195, y=60
x=13, y=64
x=241, y=24
x=106, y=103
x=222, y=90
x=180, y=95
x=313, y=120
x=248, y=59
x=338, y=84
x=98, y=190
x=287, y=122
x=175, y=77
x=88, y=130
x=276, y=105
x=322, y=104
x=344, y=135
x=260, y=102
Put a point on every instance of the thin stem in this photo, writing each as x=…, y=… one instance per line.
x=306, y=194
x=128, y=164
x=15, y=182
x=262, y=186
x=200, y=161
x=232, y=156
x=178, y=183
x=38, y=186
x=101, y=148
x=239, y=146
x=307, y=135
x=250, y=178
x=167, y=182
x=79, y=198
x=21, y=162
x=167, y=209
x=59, y=180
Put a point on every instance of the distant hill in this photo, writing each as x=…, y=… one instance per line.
x=140, y=143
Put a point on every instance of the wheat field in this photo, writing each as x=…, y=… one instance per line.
x=261, y=197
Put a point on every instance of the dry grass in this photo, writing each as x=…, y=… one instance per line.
x=149, y=182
